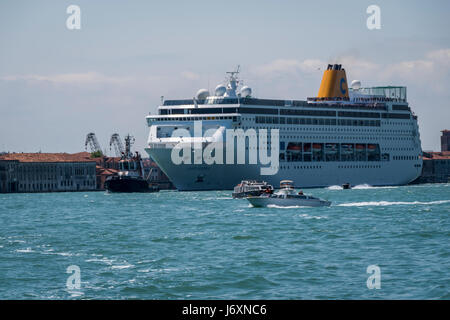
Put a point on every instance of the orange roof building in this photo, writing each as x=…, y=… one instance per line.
x=48, y=157
x=47, y=172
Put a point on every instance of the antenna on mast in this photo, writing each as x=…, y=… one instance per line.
x=232, y=83
x=234, y=73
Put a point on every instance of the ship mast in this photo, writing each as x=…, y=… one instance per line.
x=129, y=140
x=232, y=83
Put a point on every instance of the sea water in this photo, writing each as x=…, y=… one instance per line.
x=206, y=245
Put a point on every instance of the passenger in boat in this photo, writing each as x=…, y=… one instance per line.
x=300, y=193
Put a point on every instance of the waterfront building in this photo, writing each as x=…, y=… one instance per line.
x=436, y=167
x=445, y=140
x=47, y=172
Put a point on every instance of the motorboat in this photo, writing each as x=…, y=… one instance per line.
x=251, y=188
x=287, y=197
x=130, y=177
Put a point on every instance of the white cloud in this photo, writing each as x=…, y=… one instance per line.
x=190, y=75
x=440, y=57
x=434, y=66
x=288, y=66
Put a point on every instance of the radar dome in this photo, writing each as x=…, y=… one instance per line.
x=202, y=94
x=220, y=90
x=246, y=92
x=356, y=84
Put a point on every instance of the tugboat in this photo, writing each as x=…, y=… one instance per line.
x=251, y=188
x=130, y=177
x=287, y=197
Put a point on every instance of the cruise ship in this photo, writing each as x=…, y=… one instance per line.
x=347, y=134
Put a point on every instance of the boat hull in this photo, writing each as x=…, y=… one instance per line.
x=280, y=202
x=196, y=177
x=126, y=184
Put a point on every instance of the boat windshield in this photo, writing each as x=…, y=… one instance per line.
x=127, y=165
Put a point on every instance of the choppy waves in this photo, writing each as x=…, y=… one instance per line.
x=205, y=245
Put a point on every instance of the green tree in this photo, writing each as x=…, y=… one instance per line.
x=96, y=154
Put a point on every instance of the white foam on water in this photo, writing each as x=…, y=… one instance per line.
x=362, y=186
x=16, y=241
x=103, y=260
x=307, y=216
x=368, y=186
x=75, y=294
x=27, y=250
x=159, y=270
x=389, y=203
x=144, y=270
x=123, y=266
x=335, y=187
x=64, y=254
x=52, y=251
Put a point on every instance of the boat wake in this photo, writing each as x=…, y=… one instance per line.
x=335, y=188
x=360, y=187
x=389, y=203
x=368, y=186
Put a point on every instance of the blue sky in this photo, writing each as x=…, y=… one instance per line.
x=56, y=85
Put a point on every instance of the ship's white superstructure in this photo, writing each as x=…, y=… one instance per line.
x=345, y=135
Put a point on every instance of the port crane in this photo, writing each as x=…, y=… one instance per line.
x=118, y=146
x=92, y=141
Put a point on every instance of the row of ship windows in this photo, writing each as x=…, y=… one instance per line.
x=364, y=131
x=405, y=157
x=290, y=111
x=292, y=120
x=332, y=129
x=317, y=121
x=339, y=167
x=399, y=149
x=307, y=151
x=350, y=138
x=361, y=167
x=394, y=122
x=300, y=167
x=347, y=137
x=234, y=118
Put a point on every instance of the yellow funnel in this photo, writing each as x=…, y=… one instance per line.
x=334, y=83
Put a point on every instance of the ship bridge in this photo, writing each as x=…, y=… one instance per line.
x=389, y=93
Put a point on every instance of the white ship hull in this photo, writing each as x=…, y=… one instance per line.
x=305, y=174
